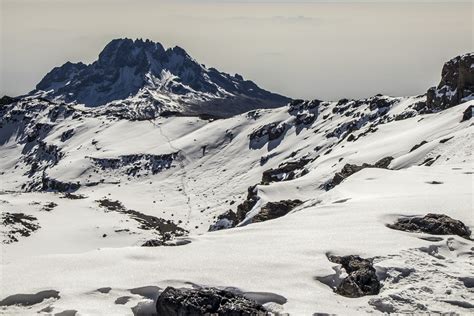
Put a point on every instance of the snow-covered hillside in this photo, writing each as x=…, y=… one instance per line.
x=143, y=75
x=103, y=209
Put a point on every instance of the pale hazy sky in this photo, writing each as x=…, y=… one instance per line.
x=311, y=49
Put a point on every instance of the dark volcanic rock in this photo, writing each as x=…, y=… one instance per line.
x=286, y=171
x=205, y=301
x=138, y=164
x=268, y=132
x=50, y=184
x=17, y=225
x=248, y=204
x=306, y=112
x=418, y=145
x=350, y=169
x=273, y=210
x=153, y=243
x=436, y=224
x=361, y=280
x=166, y=228
x=467, y=114
x=456, y=85
x=226, y=220
x=5, y=100
x=29, y=299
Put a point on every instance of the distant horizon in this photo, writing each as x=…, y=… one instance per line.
x=305, y=50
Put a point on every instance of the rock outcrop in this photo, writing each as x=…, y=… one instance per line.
x=436, y=224
x=456, y=85
x=248, y=204
x=306, y=112
x=266, y=133
x=17, y=225
x=206, y=301
x=136, y=165
x=228, y=219
x=286, y=171
x=361, y=280
x=273, y=210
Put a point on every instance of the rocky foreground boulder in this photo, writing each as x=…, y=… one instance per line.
x=435, y=224
x=361, y=280
x=206, y=301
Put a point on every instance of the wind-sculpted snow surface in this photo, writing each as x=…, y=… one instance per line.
x=254, y=203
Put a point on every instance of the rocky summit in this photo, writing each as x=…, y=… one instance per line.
x=142, y=72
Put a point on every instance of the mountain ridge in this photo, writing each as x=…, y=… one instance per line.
x=142, y=71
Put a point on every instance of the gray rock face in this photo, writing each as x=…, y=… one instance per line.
x=206, y=301
x=361, y=279
x=456, y=85
x=273, y=210
x=436, y=224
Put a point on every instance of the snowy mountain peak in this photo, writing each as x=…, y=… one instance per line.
x=142, y=73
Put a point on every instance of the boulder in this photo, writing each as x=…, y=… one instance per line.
x=467, y=114
x=206, y=301
x=273, y=210
x=361, y=280
x=435, y=224
x=228, y=219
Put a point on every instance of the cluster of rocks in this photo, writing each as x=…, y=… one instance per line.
x=18, y=225
x=166, y=228
x=350, y=169
x=306, y=112
x=266, y=133
x=42, y=156
x=286, y=171
x=361, y=280
x=206, y=301
x=136, y=165
x=436, y=224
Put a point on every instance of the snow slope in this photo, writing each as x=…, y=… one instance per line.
x=93, y=186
